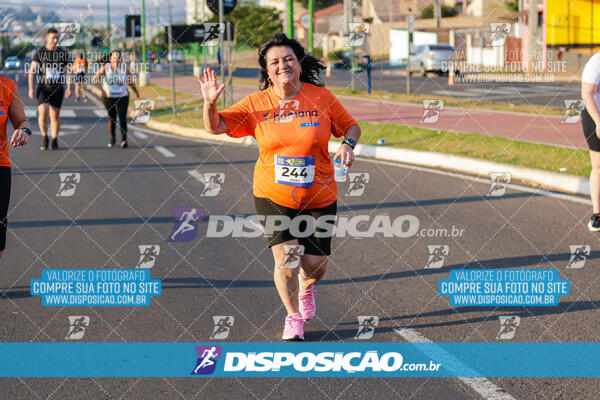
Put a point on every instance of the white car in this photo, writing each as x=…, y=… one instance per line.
x=12, y=63
x=432, y=58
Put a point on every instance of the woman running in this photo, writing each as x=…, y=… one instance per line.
x=115, y=96
x=80, y=69
x=292, y=118
x=590, y=120
x=11, y=107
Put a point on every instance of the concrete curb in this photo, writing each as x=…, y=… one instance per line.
x=481, y=168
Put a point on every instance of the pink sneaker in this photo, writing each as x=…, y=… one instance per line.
x=294, y=327
x=307, y=302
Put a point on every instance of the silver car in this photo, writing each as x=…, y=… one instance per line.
x=432, y=58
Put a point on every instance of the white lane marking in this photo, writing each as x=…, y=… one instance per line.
x=140, y=135
x=64, y=113
x=483, y=386
x=521, y=188
x=196, y=175
x=164, y=151
x=101, y=113
x=70, y=129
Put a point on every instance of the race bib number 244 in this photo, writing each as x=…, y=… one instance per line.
x=295, y=171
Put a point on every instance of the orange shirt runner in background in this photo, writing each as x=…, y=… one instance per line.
x=7, y=88
x=292, y=136
x=80, y=65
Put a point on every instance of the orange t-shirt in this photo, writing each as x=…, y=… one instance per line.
x=7, y=88
x=79, y=65
x=293, y=167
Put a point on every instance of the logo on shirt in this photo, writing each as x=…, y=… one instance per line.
x=288, y=115
x=287, y=111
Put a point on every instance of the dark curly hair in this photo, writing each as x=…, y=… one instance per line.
x=311, y=66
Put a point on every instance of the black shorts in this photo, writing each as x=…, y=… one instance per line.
x=80, y=77
x=589, y=131
x=4, y=199
x=319, y=245
x=52, y=95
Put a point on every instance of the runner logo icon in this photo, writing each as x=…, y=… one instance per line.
x=212, y=183
x=77, y=325
x=148, y=255
x=366, y=326
x=141, y=112
x=437, y=254
x=431, y=111
x=358, y=183
x=223, y=325
x=357, y=33
x=68, y=33
x=292, y=254
x=185, y=228
x=573, y=109
x=68, y=183
x=500, y=31
x=212, y=34
x=579, y=253
x=508, y=327
x=207, y=359
x=498, y=183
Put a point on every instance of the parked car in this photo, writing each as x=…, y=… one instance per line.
x=12, y=63
x=432, y=58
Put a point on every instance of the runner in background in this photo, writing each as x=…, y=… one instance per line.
x=50, y=71
x=116, y=76
x=80, y=66
x=292, y=118
x=590, y=121
x=11, y=107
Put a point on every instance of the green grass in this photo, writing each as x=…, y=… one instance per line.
x=186, y=103
x=491, y=148
x=531, y=155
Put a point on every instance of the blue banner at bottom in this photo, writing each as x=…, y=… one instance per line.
x=304, y=359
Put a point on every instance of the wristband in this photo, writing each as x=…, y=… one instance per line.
x=27, y=131
x=350, y=142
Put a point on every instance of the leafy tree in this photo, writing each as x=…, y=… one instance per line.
x=447, y=11
x=321, y=4
x=512, y=5
x=253, y=24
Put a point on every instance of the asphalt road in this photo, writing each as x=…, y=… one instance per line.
x=125, y=197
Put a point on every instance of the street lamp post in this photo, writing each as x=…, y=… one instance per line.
x=91, y=11
x=143, y=72
x=108, y=33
